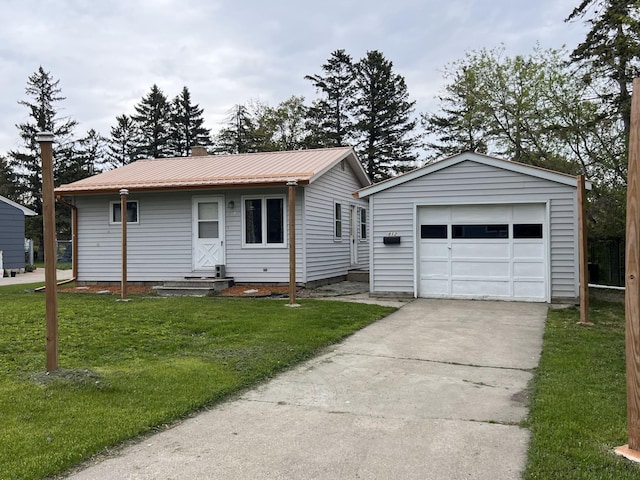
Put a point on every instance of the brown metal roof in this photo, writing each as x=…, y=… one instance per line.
x=268, y=168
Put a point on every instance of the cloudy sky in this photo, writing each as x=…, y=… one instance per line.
x=108, y=53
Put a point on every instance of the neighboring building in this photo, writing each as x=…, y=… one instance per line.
x=12, y=239
x=477, y=227
x=188, y=216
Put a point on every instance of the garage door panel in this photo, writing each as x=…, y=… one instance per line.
x=481, y=249
x=480, y=269
x=469, y=288
x=529, y=250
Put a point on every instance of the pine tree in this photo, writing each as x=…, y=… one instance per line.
x=153, y=123
x=7, y=180
x=329, y=118
x=384, y=127
x=43, y=94
x=122, y=144
x=187, y=125
x=91, y=153
x=241, y=133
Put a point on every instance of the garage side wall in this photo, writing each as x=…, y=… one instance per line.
x=11, y=236
x=393, y=268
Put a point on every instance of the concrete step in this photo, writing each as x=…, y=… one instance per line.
x=193, y=287
x=358, y=276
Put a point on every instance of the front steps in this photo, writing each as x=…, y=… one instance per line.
x=358, y=276
x=193, y=287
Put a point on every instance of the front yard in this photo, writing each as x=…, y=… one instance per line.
x=130, y=368
x=578, y=412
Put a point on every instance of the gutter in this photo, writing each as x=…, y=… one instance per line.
x=74, y=243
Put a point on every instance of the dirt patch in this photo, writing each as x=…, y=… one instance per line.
x=256, y=291
x=106, y=289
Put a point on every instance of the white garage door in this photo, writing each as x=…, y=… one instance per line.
x=483, y=251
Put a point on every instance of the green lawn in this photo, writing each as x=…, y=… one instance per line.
x=578, y=411
x=127, y=368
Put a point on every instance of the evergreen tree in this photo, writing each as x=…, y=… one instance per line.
x=384, y=127
x=43, y=93
x=461, y=125
x=187, y=125
x=153, y=124
x=91, y=153
x=246, y=130
x=7, y=180
x=611, y=51
x=122, y=144
x=329, y=117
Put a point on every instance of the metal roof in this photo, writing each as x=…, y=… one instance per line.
x=210, y=171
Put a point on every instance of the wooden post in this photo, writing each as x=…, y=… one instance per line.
x=582, y=240
x=292, y=243
x=123, y=218
x=632, y=283
x=50, y=255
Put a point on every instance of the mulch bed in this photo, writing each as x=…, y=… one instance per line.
x=235, y=291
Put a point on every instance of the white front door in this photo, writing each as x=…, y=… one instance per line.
x=353, y=234
x=208, y=233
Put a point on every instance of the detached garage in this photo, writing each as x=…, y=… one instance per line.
x=476, y=227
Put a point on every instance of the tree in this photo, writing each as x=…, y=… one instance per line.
x=43, y=93
x=610, y=51
x=91, y=153
x=186, y=125
x=7, y=180
x=153, y=124
x=286, y=125
x=248, y=129
x=329, y=117
x=461, y=124
x=384, y=126
x=122, y=145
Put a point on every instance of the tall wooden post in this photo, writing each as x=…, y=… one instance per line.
x=123, y=217
x=584, y=265
x=632, y=283
x=50, y=257
x=292, y=243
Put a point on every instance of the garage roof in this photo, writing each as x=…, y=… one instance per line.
x=27, y=211
x=474, y=157
x=210, y=171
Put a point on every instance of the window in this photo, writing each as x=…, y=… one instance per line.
x=433, y=231
x=116, y=212
x=480, y=231
x=527, y=230
x=363, y=223
x=264, y=221
x=337, y=231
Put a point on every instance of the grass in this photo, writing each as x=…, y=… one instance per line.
x=128, y=368
x=578, y=410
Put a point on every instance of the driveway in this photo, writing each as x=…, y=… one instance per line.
x=434, y=391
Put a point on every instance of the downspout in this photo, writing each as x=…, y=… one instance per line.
x=74, y=243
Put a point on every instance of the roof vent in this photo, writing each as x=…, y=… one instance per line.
x=198, y=151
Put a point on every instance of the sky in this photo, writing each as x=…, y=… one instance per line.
x=107, y=54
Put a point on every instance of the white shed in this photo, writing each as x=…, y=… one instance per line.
x=475, y=227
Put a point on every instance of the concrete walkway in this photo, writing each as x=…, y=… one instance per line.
x=434, y=391
x=34, y=277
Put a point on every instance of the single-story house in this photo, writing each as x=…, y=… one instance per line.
x=12, y=234
x=210, y=214
x=476, y=227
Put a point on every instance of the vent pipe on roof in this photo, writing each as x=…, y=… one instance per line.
x=198, y=151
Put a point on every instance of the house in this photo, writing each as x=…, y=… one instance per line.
x=476, y=227
x=12, y=239
x=208, y=214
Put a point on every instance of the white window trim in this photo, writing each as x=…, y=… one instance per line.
x=263, y=199
x=337, y=238
x=111, y=204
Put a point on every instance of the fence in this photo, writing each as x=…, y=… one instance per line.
x=606, y=261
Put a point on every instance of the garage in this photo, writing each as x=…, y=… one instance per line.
x=472, y=226
x=483, y=251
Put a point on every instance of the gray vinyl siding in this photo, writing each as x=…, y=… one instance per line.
x=327, y=257
x=469, y=183
x=11, y=236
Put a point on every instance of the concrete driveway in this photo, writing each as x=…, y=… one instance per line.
x=434, y=391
